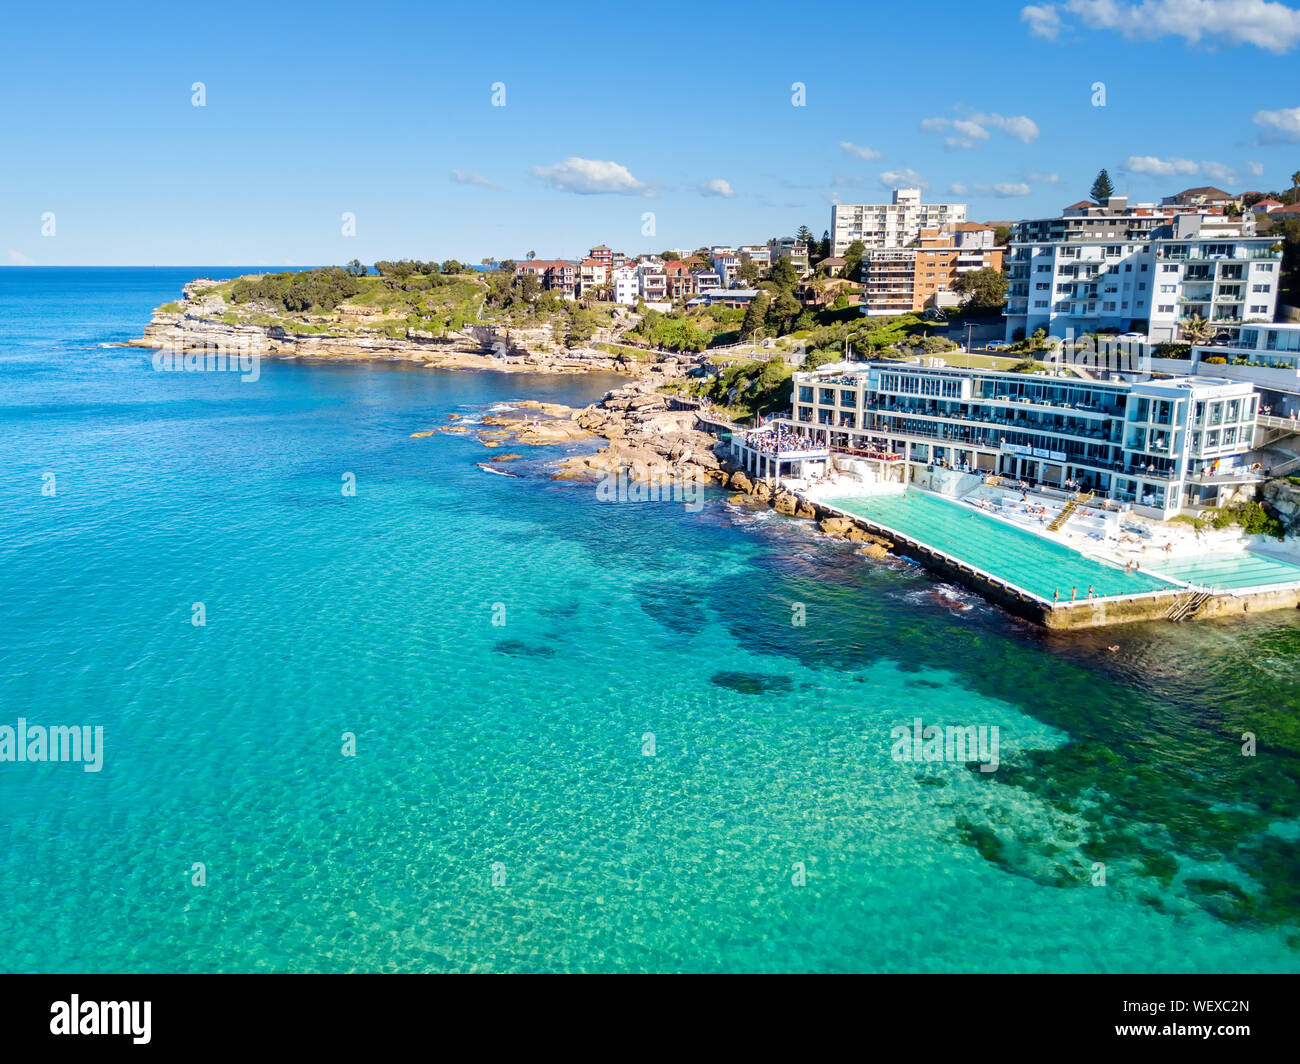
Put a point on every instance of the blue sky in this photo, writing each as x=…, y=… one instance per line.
x=385, y=110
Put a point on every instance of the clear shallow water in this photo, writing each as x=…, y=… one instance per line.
x=521, y=746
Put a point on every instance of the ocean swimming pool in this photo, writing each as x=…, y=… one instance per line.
x=1031, y=562
x=1231, y=572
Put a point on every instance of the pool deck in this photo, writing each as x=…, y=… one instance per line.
x=1056, y=585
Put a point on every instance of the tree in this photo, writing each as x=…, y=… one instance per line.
x=1001, y=235
x=507, y=266
x=755, y=314
x=1197, y=330
x=1102, y=189
x=529, y=287
x=747, y=271
x=532, y=255
x=355, y=268
x=824, y=252
x=783, y=274
x=853, y=254
x=984, y=289
x=1295, y=180
x=452, y=266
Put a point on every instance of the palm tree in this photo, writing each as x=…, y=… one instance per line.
x=1197, y=330
x=1295, y=179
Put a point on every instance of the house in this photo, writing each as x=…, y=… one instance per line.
x=1266, y=206
x=725, y=263
x=602, y=255
x=790, y=249
x=555, y=275
x=1205, y=196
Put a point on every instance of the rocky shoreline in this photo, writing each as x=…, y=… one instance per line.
x=650, y=439
x=201, y=324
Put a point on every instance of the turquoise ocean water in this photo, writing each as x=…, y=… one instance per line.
x=502, y=812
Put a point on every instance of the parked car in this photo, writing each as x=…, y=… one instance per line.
x=997, y=346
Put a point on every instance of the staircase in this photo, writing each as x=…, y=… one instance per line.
x=1058, y=522
x=1186, y=605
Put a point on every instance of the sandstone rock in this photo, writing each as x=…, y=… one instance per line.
x=785, y=503
x=741, y=482
x=836, y=526
x=805, y=510
x=872, y=550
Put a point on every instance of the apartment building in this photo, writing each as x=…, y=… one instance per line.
x=1273, y=346
x=1142, y=267
x=627, y=285
x=602, y=255
x=1163, y=446
x=787, y=247
x=592, y=274
x=900, y=280
x=759, y=254
x=555, y=275
x=889, y=225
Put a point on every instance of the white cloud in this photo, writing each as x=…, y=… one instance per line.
x=1157, y=167
x=958, y=189
x=1149, y=164
x=1044, y=20
x=1043, y=179
x=1001, y=190
x=1219, y=172
x=469, y=177
x=1280, y=127
x=1256, y=169
x=972, y=129
x=1267, y=24
x=717, y=187
x=859, y=151
x=903, y=179
x=590, y=177
x=17, y=258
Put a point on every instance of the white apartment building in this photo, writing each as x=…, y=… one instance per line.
x=1142, y=268
x=725, y=262
x=1163, y=446
x=627, y=285
x=889, y=225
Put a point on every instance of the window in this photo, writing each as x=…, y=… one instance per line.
x=1043, y=286
x=1107, y=307
x=1166, y=308
x=1169, y=267
x=1040, y=303
x=1168, y=288
x=1261, y=308
x=1142, y=286
x=1264, y=267
x=1261, y=288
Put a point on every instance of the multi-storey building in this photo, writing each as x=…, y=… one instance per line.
x=787, y=247
x=889, y=225
x=725, y=262
x=592, y=274
x=759, y=254
x=603, y=255
x=1202, y=196
x=1272, y=346
x=1140, y=267
x=899, y=280
x=555, y=275
x=1162, y=445
x=627, y=285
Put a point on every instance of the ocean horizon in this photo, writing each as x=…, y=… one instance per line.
x=461, y=722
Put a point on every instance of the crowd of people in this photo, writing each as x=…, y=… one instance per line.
x=781, y=441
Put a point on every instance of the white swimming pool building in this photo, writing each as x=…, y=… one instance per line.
x=1164, y=446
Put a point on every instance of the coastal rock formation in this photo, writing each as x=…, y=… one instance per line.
x=203, y=321
x=1282, y=496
